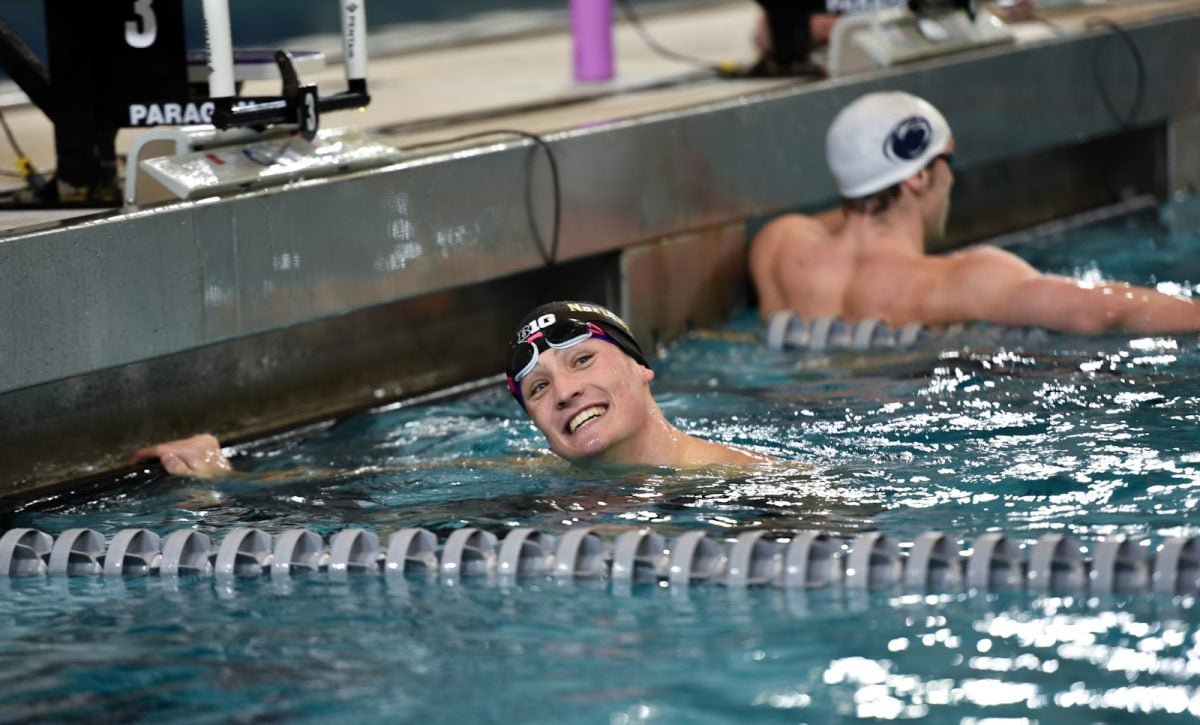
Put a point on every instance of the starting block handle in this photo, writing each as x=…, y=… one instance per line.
x=354, y=40
x=220, y=49
x=300, y=104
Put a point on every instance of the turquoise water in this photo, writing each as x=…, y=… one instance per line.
x=1088, y=437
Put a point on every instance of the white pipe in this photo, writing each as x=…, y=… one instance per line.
x=220, y=49
x=354, y=38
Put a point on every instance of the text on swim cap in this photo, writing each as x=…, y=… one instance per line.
x=598, y=310
x=534, y=325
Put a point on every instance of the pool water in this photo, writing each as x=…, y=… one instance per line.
x=1090, y=437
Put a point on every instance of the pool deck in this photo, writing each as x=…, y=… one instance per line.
x=275, y=306
x=524, y=82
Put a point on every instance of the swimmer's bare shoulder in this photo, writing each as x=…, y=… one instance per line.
x=781, y=258
x=700, y=453
x=791, y=234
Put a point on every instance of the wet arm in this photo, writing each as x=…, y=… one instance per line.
x=197, y=457
x=1072, y=306
x=200, y=456
x=996, y=286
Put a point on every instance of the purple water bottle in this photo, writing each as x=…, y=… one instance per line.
x=591, y=33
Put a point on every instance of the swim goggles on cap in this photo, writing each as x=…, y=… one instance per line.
x=947, y=157
x=523, y=356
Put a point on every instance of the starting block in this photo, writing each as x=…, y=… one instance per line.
x=192, y=162
x=124, y=64
x=892, y=36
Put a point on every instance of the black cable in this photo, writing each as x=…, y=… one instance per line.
x=21, y=64
x=1109, y=148
x=1135, y=108
x=25, y=168
x=12, y=140
x=32, y=76
x=549, y=256
x=635, y=20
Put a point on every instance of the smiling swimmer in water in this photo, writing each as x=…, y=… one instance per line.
x=579, y=374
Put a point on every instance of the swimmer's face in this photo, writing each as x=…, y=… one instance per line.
x=591, y=401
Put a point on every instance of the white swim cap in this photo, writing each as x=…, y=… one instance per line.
x=882, y=139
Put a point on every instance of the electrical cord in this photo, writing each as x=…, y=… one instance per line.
x=544, y=276
x=12, y=140
x=1125, y=122
x=25, y=168
x=1135, y=108
x=707, y=68
x=639, y=27
x=549, y=255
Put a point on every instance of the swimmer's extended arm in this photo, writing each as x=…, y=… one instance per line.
x=997, y=286
x=200, y=456
x=197, y=457
x=1110, y=307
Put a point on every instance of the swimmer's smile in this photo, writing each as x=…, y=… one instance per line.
x=585, y=416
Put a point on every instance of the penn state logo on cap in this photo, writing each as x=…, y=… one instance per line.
x=881, y=139
x=909, y=139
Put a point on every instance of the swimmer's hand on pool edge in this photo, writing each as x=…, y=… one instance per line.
x=197, y=457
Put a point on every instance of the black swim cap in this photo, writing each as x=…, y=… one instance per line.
x=606, y=319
